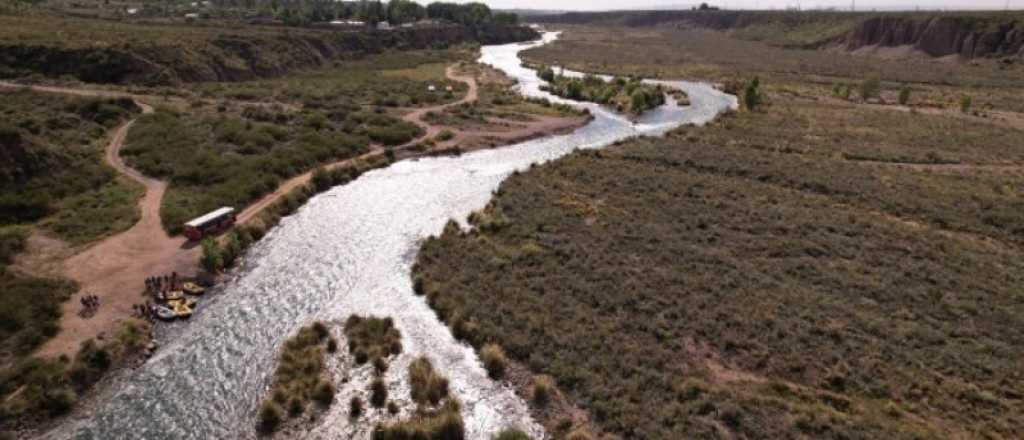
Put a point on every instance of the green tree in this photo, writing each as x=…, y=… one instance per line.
x=965, y=103
x=546, y=74
x=506, y=18
x=870, y=88
x=904, y=95
x=211, y=260
x=638, y=101
x=405, y=11
x=751, y=97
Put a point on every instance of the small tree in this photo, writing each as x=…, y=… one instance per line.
x=904, y=95
x=965, y=103
x=271, y=416
x=751, y=96
x=546, y=74
x=211, y=260
x=870, y=88
x=494, y=360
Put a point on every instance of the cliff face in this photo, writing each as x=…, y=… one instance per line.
x=970, y=35
x=235, y=57
x=939, y=36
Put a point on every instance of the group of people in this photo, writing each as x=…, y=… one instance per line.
x=144, y=311
x=162, y=284
x=90, y=302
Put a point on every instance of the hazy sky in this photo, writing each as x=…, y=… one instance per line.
x=755, y=4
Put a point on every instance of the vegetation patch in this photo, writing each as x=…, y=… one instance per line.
x=371, y=338
x=443, y=423
x=299, y=379
x=34, y=390
x=625, y=95
x=426, y=386
x=53, y=172
x=792, y=272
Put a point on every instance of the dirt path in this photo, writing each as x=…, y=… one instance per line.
x=114, y=269
x=430, y=130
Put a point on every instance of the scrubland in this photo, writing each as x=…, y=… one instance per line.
x=823, y=266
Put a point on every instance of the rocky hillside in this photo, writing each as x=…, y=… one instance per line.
x=940, y=36
x=233, y=55
x=968, y=34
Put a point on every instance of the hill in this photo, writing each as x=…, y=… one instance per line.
x=937, y=34
x=104, y=51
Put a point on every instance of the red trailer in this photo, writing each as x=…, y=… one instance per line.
x=210, y=224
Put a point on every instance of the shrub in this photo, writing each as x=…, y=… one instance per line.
x=392, y=408
x=543, y=389
x=271, y=416
x=372, y=338
x=425, y=385
x=904, y=95
x=870, y=88
x=324, y=393
x=211, y=260
x=965, y=103
x=332, y=345
x=445, y=135
x=751, y=97
x=355, y=407
x=295, y=407
x=546, y=74
x=494, y=360
x=378, y=393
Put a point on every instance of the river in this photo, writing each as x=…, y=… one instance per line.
x=350, y=251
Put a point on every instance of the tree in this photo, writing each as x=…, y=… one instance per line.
x=211, y=260
x=506, y=18
x=904, y=95
x=638, y=101
x=474, y=14
x=965, y=104
x=405, y=11
x=751, y=98
x=546, y=74
x=870, y=88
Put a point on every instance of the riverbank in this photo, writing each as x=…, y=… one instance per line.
x=112, y=268
x=336, y=257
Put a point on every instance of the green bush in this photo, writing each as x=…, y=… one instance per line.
x=543, y=389
x=870, y=88
x=323, y=393
x=494, y=360
x=211, y=260
x=965, y=104
x=425, y=385
x=445, y=135
x=355, y=407
x=270, y=417
x=378, y=393
x=751, y=98
x=904, y=97
x=372, y=338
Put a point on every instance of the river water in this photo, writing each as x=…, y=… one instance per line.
x=350, y=251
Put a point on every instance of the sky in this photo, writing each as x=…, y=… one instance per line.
x=592, y=5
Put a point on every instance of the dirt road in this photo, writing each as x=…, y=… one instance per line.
x=115, y=268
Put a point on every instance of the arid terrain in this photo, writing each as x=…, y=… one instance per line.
x=823, y=265
x=827, y=243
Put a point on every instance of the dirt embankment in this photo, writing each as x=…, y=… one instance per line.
x=967, y=35
x=234, y=56
x=939, y=36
